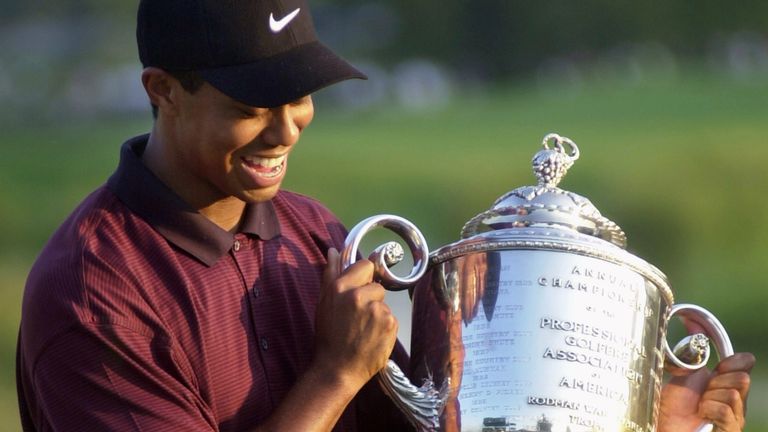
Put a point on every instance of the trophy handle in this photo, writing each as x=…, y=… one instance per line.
x=421, y=405
x=692, y=353
x=389, y=253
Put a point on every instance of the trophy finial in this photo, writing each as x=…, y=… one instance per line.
x=546, y=204
x=551, y=164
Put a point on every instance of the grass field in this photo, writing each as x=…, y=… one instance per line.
x=680, y=165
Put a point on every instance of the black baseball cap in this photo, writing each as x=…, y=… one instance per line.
x=263, y=53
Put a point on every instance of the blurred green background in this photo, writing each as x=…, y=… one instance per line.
x=668, y=102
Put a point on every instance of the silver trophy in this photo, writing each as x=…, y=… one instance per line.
x=537, y=319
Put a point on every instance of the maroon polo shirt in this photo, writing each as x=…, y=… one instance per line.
x=141, y=314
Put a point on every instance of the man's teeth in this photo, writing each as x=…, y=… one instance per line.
x=265, y=162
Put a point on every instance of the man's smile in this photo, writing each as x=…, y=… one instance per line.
x=264, y=171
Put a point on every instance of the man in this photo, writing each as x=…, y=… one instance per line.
x=190, y=293
x=182, y=295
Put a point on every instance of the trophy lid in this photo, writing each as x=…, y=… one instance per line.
x=545, y=204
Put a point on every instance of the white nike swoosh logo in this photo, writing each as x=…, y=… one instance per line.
x=277, y=25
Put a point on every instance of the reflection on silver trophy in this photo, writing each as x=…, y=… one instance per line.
x=537, y=319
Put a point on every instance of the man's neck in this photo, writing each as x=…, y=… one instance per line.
x=225, y=212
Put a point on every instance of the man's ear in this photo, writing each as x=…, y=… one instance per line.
x=159, y=86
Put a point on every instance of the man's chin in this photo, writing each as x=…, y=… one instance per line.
x=260, y=195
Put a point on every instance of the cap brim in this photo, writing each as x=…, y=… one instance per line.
x=282, y=78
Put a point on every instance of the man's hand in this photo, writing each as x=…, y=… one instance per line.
x=355, y=334
x=718, y=397
x=356, y=330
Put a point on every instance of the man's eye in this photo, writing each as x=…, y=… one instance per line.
x=249, y=114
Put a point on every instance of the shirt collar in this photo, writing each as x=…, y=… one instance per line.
x=145, y=194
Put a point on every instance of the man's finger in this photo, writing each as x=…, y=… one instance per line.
x=739, y=381
x=692, y=326
x=729, y=397
x=724, y=409
x=737, y=362
x=371, y=292
x=330, y=274
x=358, y=274
x=695, y=382
x=341, y=280
x=733, y=373
x=332, y=268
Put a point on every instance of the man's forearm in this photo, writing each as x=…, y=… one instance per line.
x=314, y=404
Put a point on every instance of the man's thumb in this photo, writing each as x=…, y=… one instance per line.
x=332, y=269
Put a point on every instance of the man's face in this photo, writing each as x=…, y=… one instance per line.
x=228, y=149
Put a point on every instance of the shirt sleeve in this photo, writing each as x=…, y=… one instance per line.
x=108, y=377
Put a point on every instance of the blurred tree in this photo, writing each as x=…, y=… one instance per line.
x=495, y=38
x=502, y=38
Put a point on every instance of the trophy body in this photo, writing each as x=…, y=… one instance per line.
x=537, y=319
x=535, y=339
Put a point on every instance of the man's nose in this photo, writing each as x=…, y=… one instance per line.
x=283, y=129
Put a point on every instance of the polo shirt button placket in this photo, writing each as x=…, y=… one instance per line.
x=264, y=343
x=236, y=245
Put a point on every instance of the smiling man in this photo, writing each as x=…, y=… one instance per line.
x=191, y=293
